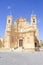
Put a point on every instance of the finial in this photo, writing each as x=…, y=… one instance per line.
x=32, y=13
x=9, y=8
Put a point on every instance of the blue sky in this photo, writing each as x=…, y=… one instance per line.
x=22, y=8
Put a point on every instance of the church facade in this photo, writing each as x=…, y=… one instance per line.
x=21, y=34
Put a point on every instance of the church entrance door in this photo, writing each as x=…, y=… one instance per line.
x=20, y=43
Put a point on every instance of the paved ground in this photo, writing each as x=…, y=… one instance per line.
x=21, y=58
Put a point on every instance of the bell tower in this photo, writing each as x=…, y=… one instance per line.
x=34, y=24
x=8, y=32
x=9, y=20
x=33, y=19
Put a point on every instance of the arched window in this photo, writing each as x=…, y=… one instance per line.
x=8, y=21
x=33, y=20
